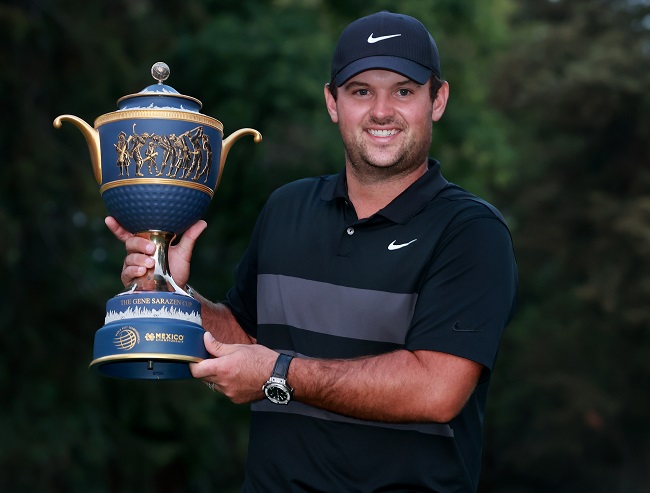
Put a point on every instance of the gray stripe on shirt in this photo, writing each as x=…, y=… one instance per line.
x=340, y=310
x=294, y=407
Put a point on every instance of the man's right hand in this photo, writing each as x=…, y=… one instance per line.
x=139, y=252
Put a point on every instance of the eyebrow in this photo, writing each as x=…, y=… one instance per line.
x=353, y=84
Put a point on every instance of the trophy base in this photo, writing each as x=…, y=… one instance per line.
x=149, y=335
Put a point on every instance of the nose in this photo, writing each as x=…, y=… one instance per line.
x=382, y=107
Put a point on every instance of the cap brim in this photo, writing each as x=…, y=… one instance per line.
x=412, y=70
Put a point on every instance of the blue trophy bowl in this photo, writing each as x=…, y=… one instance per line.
x=158, y=173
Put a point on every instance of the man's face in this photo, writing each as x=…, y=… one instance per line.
x=385, y=121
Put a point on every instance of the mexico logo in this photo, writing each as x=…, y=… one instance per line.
x=164, y=337
x=126, y=338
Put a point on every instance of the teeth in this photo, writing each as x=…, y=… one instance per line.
x=382, y=133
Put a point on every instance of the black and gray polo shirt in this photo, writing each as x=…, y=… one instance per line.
x=434, y=269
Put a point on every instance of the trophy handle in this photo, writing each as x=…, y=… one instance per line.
x=227, y=144
x=92, y=139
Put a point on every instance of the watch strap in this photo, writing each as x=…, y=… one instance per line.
x=281, y=367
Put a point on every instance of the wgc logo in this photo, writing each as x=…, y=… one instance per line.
x=126, y=338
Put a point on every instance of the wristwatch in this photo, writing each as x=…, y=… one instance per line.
x=276, y=388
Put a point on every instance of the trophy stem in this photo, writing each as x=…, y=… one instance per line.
x=158, y=277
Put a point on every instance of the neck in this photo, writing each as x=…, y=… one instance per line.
x=370, y=195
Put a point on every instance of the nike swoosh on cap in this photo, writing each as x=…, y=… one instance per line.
x=372, y=39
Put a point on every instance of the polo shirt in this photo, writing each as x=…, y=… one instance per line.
x=433, y=270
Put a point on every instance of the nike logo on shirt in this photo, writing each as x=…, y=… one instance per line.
x=372, y=39
x=394, y=246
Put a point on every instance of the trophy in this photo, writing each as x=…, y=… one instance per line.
x=158, y=162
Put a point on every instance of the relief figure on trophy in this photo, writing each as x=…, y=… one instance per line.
x=197, y=155
x=138, y=143
x=163, y=142
x=188, y=153
x=182, y=152
x=205, y=145
x=123, y=158
x=150, y=157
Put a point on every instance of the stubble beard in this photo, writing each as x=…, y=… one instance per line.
x=373, y=163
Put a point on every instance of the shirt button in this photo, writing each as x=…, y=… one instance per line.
x=350, y=231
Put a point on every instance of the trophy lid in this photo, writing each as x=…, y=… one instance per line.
x=159, y=96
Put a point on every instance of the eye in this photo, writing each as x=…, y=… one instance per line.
x=362, y=92
x=404, y=92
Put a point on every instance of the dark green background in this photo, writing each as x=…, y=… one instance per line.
x=549, y=119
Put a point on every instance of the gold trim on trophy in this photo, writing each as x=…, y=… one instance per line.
x=146, y=357
x=157, y=181
x=160, y=114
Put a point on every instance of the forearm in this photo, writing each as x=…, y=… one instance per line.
x=402, y=386
x=220, y=322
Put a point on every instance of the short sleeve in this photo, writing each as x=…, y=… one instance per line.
x=241, y=299
x=469, y=293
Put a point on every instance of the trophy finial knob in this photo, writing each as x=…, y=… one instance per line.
x=160, y=71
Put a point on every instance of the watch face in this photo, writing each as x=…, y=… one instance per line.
x=276, y=393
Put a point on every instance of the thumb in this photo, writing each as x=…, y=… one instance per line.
x=117, y=229
x=187, y=241
x=216, y=348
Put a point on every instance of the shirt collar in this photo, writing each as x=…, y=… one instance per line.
x=405, y=205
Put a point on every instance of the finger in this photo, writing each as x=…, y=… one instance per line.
x=135, y=265
x=117, y=229
x=203, y=369
x=139, y=260
x=130, y=274
x=188, y=240
x=137, y=244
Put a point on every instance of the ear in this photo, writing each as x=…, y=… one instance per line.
x=440, y=102
x=330, y=102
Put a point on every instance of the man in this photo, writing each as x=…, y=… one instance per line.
x=369, y=304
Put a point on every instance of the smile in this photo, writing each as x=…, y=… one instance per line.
x=382, y=133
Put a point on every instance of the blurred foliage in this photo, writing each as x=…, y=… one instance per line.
x=548, y=119
x=570, y=405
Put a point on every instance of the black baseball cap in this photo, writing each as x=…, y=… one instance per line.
x=395, y=42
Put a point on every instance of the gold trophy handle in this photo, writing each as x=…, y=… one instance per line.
x=92, y=139
x=227, y=144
